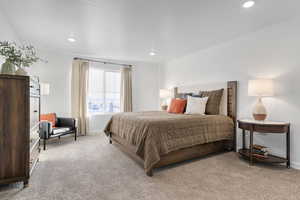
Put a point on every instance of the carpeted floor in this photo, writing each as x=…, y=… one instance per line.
x=91, y=169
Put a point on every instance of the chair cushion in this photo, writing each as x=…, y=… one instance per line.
x=51, y=117
x=60, y=130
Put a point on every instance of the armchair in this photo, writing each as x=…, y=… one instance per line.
x=56, y=127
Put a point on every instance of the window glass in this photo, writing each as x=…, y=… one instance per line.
x=104, y=91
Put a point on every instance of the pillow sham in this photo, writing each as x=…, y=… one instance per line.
x=213, y=102
x=183, y=95
x=177, y=106
x=196, y=105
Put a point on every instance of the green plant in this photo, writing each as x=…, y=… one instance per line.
x=28, y=55
x=18, y=55
x=11, y=52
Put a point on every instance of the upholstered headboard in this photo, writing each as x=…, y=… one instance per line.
x=206, y=87
x=228, y=104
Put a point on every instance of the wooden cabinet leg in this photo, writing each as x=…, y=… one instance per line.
x=150, y=173
x=44, y=144
x=25, y=183
x=244, y=139
x=110, y=140
x=251, y=146
x=288, y=163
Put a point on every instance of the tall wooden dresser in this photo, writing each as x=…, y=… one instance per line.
x=19, y=119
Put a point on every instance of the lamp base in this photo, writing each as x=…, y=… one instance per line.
x=260, y=117
x=164, y=107
x=259, y=111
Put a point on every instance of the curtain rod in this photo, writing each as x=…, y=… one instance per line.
x=100, y=61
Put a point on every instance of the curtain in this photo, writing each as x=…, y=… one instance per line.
x=79, y=89
x=126, y=90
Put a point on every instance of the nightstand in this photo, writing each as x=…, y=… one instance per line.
x=267, y=127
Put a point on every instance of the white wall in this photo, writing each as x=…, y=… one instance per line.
x=6, y=32
x=57, y=72
x=273, y=52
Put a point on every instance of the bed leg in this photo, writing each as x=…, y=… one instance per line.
x=149, y=173
x=110, y=141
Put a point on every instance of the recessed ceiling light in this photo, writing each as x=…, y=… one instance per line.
x=71, y=39
x=248, y=4
x=152, y=53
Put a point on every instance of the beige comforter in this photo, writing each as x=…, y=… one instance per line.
x=157, y=133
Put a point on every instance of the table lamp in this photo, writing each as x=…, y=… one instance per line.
x=260, y=88
x=165, y=94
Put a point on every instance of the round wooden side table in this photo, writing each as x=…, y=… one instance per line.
x=267, y=127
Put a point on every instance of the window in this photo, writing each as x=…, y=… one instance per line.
x=104, y=91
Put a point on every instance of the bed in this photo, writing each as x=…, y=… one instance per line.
x=158, y=138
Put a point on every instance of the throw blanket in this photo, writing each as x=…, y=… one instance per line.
x=157, y=133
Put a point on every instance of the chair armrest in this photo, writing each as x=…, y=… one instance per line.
x=45, y=129
x=66, y=122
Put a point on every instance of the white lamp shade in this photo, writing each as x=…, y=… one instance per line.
x=165, y=93
x=261, y=87
x=45, y=88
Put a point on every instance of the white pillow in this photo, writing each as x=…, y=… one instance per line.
x=196, y=105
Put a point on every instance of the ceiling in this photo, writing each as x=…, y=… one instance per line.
x=129, y=29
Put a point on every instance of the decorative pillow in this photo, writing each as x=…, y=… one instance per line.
x=177, y=106
x=183, y=95
x=196, y=105
x=214, y=100
x=51, y=117
x=196, y=95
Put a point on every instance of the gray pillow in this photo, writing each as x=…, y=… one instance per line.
x=214, y=100
x=196, y=95
x=183, y=95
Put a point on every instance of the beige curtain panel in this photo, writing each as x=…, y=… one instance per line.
x=79, y=88
x=126, y=90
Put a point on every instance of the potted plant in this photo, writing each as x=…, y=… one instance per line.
x=17, y=56
x=27, y=59
x=12, y=55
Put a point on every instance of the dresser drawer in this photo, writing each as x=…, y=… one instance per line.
x=34, y=135
x=34, y=112
x=34, y=156
x=34, y=86
x=264, y=128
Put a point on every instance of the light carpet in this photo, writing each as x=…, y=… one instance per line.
x=92, y=169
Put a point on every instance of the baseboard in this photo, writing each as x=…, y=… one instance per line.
x=95, y=132
x=295, y=165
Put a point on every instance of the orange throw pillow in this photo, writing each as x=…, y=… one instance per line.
x=177, y=106
x=51, y=117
